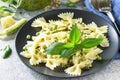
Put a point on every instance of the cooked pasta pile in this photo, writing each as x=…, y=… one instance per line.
x=58, y=31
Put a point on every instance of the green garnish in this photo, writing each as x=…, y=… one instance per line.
x=70, y=4
x=99, y=58
x=37, y=33
x=75, y=34
x=6, y=51
x=55, y=48
x=69, y=49
x=89, y=43
x=37, y=51
x=56, y=31
x=48, y=33
x=28, y=37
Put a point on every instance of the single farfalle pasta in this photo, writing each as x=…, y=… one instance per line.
x=66, y=16
x=75, y=70
x=39, y=22
x=59, y=31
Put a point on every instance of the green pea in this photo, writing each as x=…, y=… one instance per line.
x=37, y=33
x=56, y=31
x=24, y=48
x=99, y=58
x=48, y=33
x=28, y=37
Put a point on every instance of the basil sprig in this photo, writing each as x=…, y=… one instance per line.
x=55, y=48
x=89, y=43
x=69, y=49
x=75, y=34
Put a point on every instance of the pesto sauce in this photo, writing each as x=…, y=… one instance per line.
x=34, y=4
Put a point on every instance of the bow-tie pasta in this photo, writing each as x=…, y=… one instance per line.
x=58, y=31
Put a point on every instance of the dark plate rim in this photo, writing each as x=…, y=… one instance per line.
x=69, y=76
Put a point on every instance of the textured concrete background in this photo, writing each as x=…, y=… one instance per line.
x=13, y=68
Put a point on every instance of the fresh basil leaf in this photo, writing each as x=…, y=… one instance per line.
x=69, y=45
x=90, y=42
x=78, y=47
x=75, y=34
x=55, y=48
x=67, y=53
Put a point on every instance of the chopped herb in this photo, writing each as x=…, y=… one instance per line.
x=70, y=4
x=85, y=51
x=37, y=51
x=56, y=31
x=48, y=33
x=69, y=45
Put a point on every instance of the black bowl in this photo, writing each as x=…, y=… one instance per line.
x=108, y=54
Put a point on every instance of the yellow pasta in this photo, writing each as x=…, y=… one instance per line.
x=40, y=22
x=74, y=70
x=66, y=16
x=58, y=31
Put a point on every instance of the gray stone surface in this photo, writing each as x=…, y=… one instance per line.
x=13, y=68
